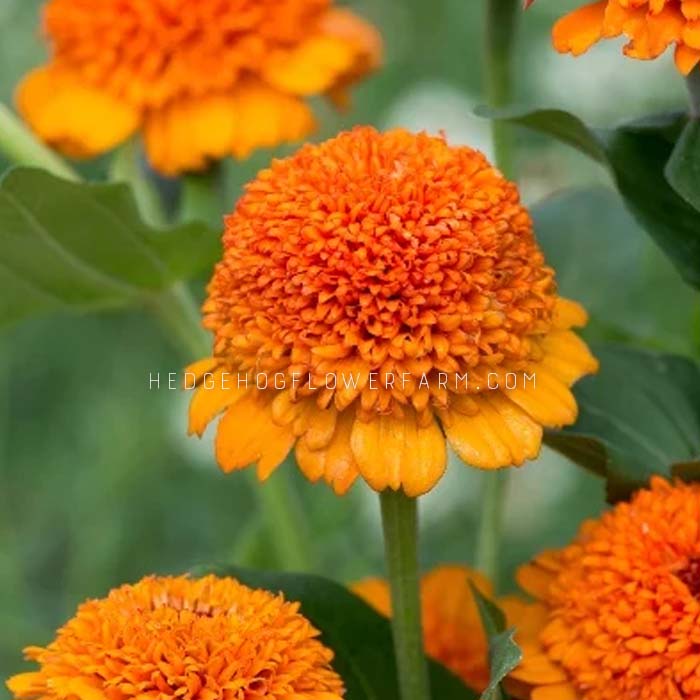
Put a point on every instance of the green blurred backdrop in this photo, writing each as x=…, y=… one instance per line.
x=98, y=483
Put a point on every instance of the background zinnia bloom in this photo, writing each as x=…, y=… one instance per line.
x=203, y=80
x=385, y=255
x=651, y=26
x=620, y=605
x=452, y=629
x=183, y=638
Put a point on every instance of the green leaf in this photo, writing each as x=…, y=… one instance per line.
x=359, y=636
x=638, y=417
x=557, y=123
x=637, y=155
x=79, y=247
x=598, y=249
x=504, y=653
x=683, y=169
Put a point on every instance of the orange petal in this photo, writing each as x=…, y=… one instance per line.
x=375, y=592
x=579, y=30
x=27, y=685
x=210, y=399
x=248, y=434
x=334, y=462
x=686, y=58
x=567, y=357
x=395, y=452
x=691, y=35
x=691, y=9
x=74, y=117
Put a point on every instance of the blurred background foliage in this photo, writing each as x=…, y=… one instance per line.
x=98, y=482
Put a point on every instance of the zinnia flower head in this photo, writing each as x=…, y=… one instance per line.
x=197, y=639
x=203, y=79
x=390, y=290
x=650, y=25
x=621, y=605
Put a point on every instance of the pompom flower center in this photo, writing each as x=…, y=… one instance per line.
x=392, y=252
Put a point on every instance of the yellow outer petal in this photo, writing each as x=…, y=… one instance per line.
x=394, y=452
x=311, y=67
x=579, y=30
x=248, y=434
x=547, y=399
x=188, y=134
x=568, y=314
x=30, y=684
x=499, y=435
x=198, y=369
x=686, y=58
x=210, y=399
x=71, y=115
x=567, y=357
x=334, y=462
x=560, y=691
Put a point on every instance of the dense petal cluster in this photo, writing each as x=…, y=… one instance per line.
x=195, y=639
x=650, y=25
x=390, y=289
x=203, y=79
x=622, y=605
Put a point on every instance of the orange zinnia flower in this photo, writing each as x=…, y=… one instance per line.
x=388, y=288
x=196, y=639
x=452, y=628
x=621, y=605
x=651, y=26
x=204, y=79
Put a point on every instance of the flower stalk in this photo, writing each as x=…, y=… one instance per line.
x=501, y=28
x=400, y=523
x=21, y=147
x=693, y=83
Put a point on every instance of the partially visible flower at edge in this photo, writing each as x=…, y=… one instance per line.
x=620, y=606
x=650, y=25
x=452, y=628
x=203, y=80
x=195, y=639
x=395, y=256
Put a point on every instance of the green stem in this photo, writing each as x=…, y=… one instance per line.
x=21, y=146
x=202, y=196
x=694, y=91
x=501, y=29
x=495, y=486
x=400, y=522
x=290, y=537
x=126, y=166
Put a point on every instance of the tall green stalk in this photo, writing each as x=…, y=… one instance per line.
x=400, y=522
x=693, y=83
x=502, y=18
x=501, y=29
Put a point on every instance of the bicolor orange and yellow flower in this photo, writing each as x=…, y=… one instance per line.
x=620, y=606
x=195, y=639
x=650, y=25
x=202, y=80
x=376, y=256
